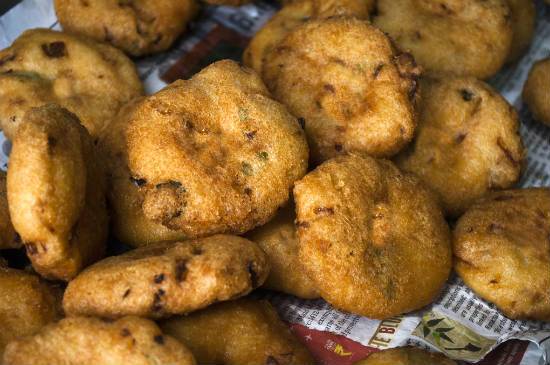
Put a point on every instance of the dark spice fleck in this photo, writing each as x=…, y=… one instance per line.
x=54, y=49
x=248, y=191
x=180, y=272
x=158, y=278
x=159, y=339
x=31, y=248
x=253, y=274
x=302, y=122
x=125, y=332
x=329, y=88
x=263, y=155
x=250, y=135
x=271, y=361
x=157, y=299
x=302, y=224
x=460, y=138
x=126, y=293
x=377, y=70
x=52, y=142
x=170, y=184
x=246, y=168
x=338, y=147
x=324, y=210
x=467, y=95
x=138, y=181
x=197, y=251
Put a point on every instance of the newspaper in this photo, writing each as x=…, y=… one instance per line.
x=459, y=323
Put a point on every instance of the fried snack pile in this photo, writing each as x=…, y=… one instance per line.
x=241, y=332
x=91, y=79
x=138, y=27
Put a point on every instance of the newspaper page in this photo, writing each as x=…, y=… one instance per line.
x=459, y=323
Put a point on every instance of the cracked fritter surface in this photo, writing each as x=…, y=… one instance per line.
x=8, y=237
x=279, y=240
x=536, y=92
x=138, y=27
x=56, y=193
x=168, y=278
x=502, y=250
x=356, y=92
x=523, y=24
x=292, y=15
x=26, y=304
x=215, y=154
x=467, y=142
x=367, y=233
x=92, y=80
x=459, y=37
x=240, y=332
x=406, y=356
x=86, y=340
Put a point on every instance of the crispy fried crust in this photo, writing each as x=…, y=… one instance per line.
x=536, y=92
x=459, y=37
x=26, y=304
x=523, y=24
x=241, y=332
x=406, y=356
x=215, y=154
x=294, y=14
x=279, y=240
x=43, y=66
x=368, y=233
x=56, y=193
x=8, y=237
x=502, y=250
x=357, y=93
x=138, y=27
x=467, y=143
x=84, y=341
x=168, y=278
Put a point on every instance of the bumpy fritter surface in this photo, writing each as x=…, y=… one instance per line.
x=241, y=332
x=502, y=250
x=56, y=193
x=368, y=233
x=536, y=92
x=215, y=154
x=43, y=66
x=84, y=341
x=8, y=237
x=294, y=14
x=459, y=37
x=138, y=27
x=467, y=142
x=125, y=196
x=168, y=278
x=26, y=304
x=279, y=241
x=406, y=356
x=523, y=25
x=356, y=92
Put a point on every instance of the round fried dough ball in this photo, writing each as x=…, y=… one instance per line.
x=128, y=221
x=294, y=14
x=467, y=142
x=279, y=241
x=215, y=154
x=8, y=237
x=351, y=88
x=92, y=80
x=502, y=250
x=56, y=193
x=536, y=92
x=406, y=356
x=85, y=341
x=168, y=278
x=523, y=25
x=138, y=27
x=459, y=37
x=26, y=304
x=368, y=233
x=240, y=332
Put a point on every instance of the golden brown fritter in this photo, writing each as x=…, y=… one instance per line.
x=228, y=2
x=294, y=14
x=367, y=233
x=125, y=196
x=523, y=24
x=240, y=332
x=56, y=193
x=215, y=154
x=279, y=241
x=43, y=66
x=467, y=142
x=536, y=92
x=26, y=304
x=138, y=27
x=459, y=37
x=8, y=237
x=406, y=356
x=168, y=278
x=502, y=250
x=356, y=92
x=85, y=341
